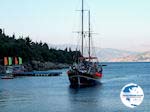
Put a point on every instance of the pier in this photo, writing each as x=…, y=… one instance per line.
x=38, y=73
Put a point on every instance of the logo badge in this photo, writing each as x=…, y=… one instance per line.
x=132, y=95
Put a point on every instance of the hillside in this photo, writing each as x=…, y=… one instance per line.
x=104, y=54
x=143, y=57
x=107, y=54
x=30, y=51
x=113, y=55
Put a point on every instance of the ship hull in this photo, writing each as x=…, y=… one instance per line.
x=83, y=80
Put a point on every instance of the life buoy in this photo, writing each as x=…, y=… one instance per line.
x=98, y=74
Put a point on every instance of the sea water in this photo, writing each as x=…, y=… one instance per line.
x=53, y=94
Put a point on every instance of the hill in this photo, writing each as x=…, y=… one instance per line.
x=104, y=54
x=108, y=54
x=142, y=57
x=30, y=51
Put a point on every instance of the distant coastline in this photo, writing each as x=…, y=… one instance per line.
x=142, y=57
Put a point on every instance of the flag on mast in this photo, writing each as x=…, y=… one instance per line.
x=16, y=61
x=20, y=60
x=5, y=61
x=9, y=60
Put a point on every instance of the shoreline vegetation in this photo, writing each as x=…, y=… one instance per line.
x=35, y=55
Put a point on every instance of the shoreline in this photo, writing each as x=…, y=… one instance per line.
x=43, y=66
x=40, y=66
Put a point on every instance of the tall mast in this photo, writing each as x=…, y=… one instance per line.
x=89, y=36
x=82, y=26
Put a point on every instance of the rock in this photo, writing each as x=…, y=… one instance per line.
x=40, y=66
x=1, y=69
x=37, y=65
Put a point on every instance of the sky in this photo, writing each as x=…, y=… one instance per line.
x=119, y=24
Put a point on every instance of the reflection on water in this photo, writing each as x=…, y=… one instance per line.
x=53, y=94
x=84, y=97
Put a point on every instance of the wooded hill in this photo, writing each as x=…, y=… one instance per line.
x=27, y=49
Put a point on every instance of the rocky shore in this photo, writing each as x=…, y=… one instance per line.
x=1, y=69
x=40, y=66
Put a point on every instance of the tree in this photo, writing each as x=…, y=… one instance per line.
x=28, y=41
x=1, y=31
x=29, y=50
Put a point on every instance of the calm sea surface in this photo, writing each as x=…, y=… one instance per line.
x=53, y=94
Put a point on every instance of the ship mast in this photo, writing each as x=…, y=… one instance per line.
x=82, y=26
x=89, y=36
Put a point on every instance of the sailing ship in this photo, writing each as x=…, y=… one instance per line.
x=87, y=71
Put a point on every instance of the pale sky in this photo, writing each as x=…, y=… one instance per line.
x=120, y=24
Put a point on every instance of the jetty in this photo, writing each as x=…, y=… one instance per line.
x=39, y=73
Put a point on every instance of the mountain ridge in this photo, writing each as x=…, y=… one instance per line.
x=104, y=54
x=142, y=57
